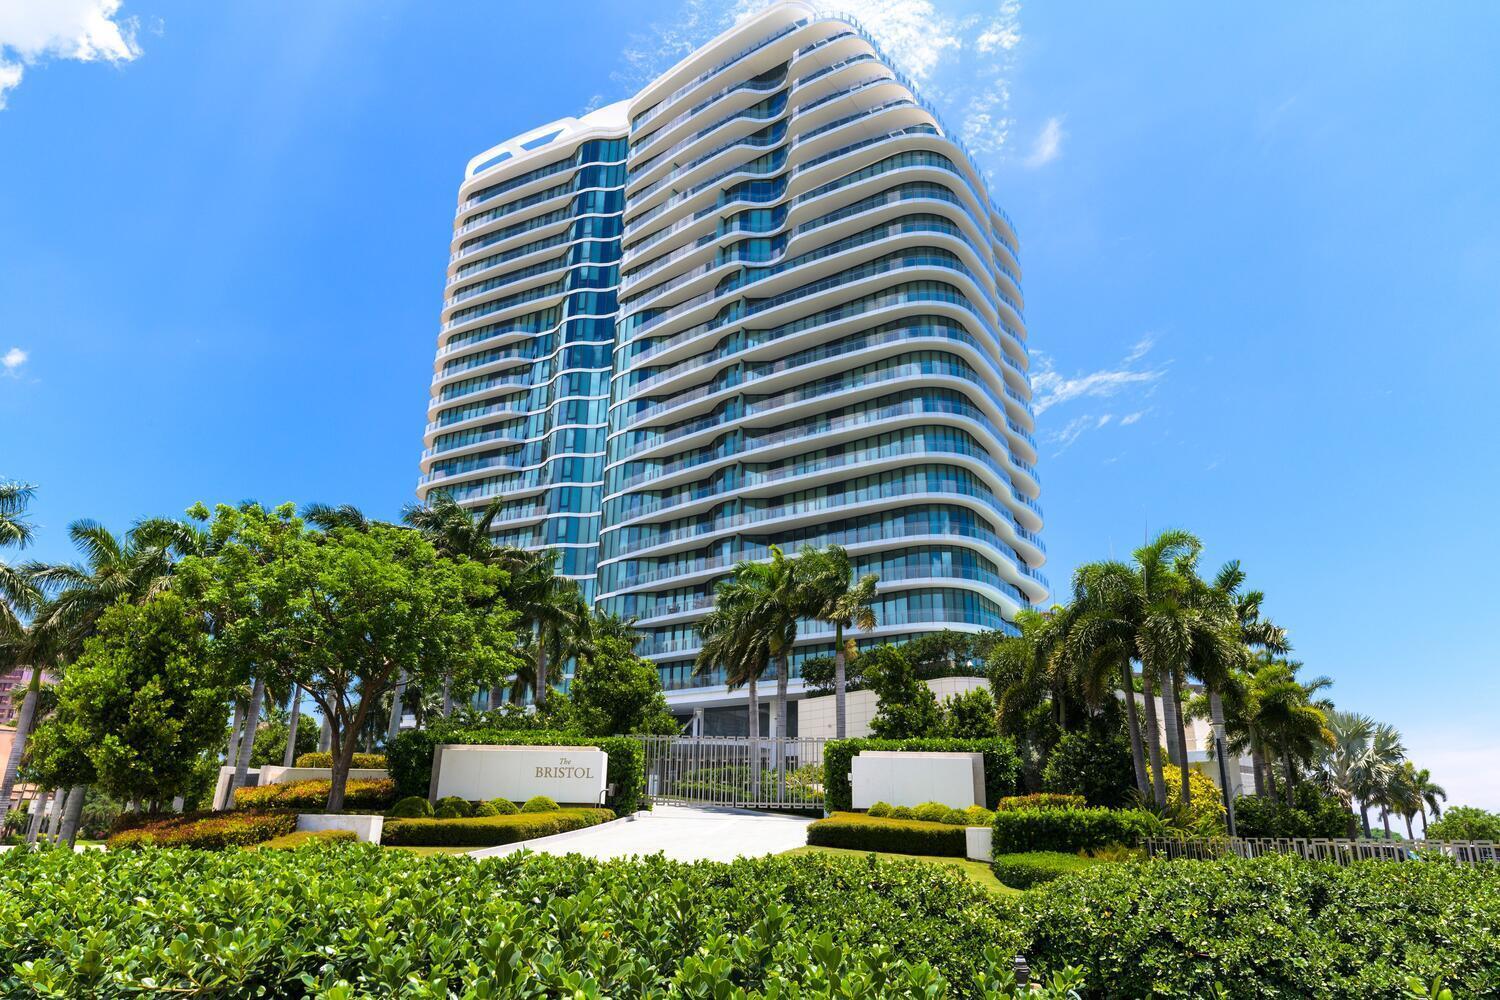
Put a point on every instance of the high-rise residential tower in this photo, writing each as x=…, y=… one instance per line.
x=766, y=301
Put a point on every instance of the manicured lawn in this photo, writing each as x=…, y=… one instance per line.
x=975, y=871
x=427, y=851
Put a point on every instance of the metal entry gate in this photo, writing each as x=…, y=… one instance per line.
x=770, y=773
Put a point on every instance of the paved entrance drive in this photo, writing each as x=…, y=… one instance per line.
x=681, y=833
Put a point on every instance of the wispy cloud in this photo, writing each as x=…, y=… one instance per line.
x=962, y=59
x=1131, y=418
x=1048, y=144
x=34, y=31
x=12, y=360
x=1052, y=387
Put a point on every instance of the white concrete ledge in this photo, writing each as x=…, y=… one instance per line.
x=979, y=844
x=366, y=828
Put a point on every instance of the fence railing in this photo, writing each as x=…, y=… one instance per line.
x=769, y=773
x=1339, y=851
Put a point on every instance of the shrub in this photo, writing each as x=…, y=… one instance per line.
x=1040, y=800
x=1069, y=829
x=302, y=838
x=1001, y=765
x=452, y=807
x=978, y=816
x=1271, y=927
x=301, y=922
x=504, y=807
x=488, y=831
x=484, y=809
x=902, y=812
x=539, y=804
x=212, y=832
x=410, y=756
x=359, y=796
x=1312, y=814
x=880, y=810
x=1465, y=823
x=1096, y=766
x=411, y=807
x=936, y=812
x=862, y=832
x=1204, y=814
x=322, y=758
x=1022, y=871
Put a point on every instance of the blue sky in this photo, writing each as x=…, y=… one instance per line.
x=1261, y=250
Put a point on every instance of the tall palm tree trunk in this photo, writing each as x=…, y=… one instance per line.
x=34, y=829
x=1409, y=834
x=447, y=695
x=1175, y=690
x=840, y=713
x=247, y=742
x=72, y=814
x=1291, y=775
x=1133, y=723
x=1258, y=761
x=1169, y=718
x=236, y=730
x=1364, y=817
x=782, y=729
x=295, y=700
x=1385, y=819
x=1153, y=736
x=23, y=733
x=753, y=701
x=541, y=674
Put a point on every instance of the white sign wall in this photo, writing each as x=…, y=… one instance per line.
x=571, y=775
x=900, y=778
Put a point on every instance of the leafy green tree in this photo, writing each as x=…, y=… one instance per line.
x=830, y=596
x=970, y=715
x=614, y=692
x=908, y=709
x=139, y=707
x=1466, y=823
x=271, y=737
x=346, y=613
x=1093, y=763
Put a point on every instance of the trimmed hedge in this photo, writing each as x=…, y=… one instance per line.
x=488, y=831
x=410, y=756
x=452, y=807
x=504, y=807
x=385, y=923
x=1040, y=800
x=1069, y=830
x=411, y=807
x=1001, y=765
x=862, y=832
x=300, y=838
x=539, y=804
x=1272, y=927
x=362, y=761
x=1022, y=871
x=212, y=832
x=376, y=795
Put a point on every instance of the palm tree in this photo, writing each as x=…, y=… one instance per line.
x=18, y=595
x=1344, y=762
x=1099, y=640
x=1384, y=757
x=733, y=637
x=1427, y=793
x=830, y=597
x=1291, y=724
x=454, y=530
x=550, y=605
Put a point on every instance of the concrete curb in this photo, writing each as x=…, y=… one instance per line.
x=501, y=850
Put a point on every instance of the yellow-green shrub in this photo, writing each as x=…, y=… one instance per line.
x=488, y=831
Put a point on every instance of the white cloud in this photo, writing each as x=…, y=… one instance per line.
x=963, y=61
x=13, y=359
x=1131, y=418
x=33, y=31
x=1052, y=388
x=1048, y=144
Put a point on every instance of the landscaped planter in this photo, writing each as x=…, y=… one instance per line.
x=366, y=828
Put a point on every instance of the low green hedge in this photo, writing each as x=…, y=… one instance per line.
x=212, y=832
x=410, y=756
x=301, y=838
x=362, y=761
x=1001, y=765
x=107, y=925
x=862, y=832
x=1040, y=800
x=488, y=831
x=411, y=807
x=933, y=812
x=374, y=795
x=1022, y=871
x=1069, y=830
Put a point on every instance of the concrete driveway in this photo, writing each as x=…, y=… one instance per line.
x=679, y=832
